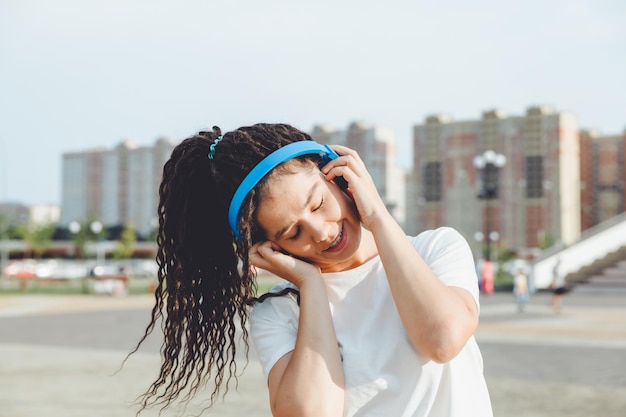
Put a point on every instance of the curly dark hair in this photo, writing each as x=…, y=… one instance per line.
x=205, y=279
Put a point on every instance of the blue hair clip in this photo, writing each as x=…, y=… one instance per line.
x=270, y=162
x=213, y=145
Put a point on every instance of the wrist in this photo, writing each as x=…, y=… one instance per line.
x=380, y=221
x=311, y=283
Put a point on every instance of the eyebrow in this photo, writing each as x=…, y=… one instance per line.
x=284, y=230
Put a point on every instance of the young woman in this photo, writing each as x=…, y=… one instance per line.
x=369, y=322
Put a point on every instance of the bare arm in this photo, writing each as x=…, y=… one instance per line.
x=438, y=319
x=307, y=381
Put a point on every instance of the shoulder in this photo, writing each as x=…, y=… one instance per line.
x=281, y=299
x=274, y=325
x=444, y=232
x=442, y=238
x=449, y=256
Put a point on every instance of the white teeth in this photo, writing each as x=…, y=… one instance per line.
x=336, y=242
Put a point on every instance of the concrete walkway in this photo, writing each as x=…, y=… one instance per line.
x=61, y=357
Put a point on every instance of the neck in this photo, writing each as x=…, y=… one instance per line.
x=368, y=248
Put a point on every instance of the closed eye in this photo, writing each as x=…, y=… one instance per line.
x=282, y=233
x=296, y=235
x=298, y=229
x=320, y=205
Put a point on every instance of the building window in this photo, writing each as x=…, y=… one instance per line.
x=432, y=181
x=534, y=176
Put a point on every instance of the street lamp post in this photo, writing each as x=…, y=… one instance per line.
x=74, y=228
x=81, y=236
x=489, y=164
x=96, y=228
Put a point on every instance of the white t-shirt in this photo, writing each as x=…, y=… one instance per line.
x=384, y=374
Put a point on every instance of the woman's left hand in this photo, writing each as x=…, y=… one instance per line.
x=361, y=187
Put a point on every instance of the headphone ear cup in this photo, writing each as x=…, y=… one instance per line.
x=341, y=182
x=329, y=156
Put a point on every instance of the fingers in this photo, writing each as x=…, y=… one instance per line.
x=259, y=254
x=361, y=187
x=346, y=154
x=344, y=150
x=268, y=256
x=264, y=250
x=348, y=165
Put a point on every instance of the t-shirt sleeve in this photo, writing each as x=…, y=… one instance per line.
x=273, y=328
x=449, y=256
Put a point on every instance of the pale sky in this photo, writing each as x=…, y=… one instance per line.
x=78, y=74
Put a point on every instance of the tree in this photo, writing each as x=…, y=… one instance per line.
x=4, y=235
x=5, y=227
x=546, y=240
x=38, y=237
x=125, y=246
x=86, y=231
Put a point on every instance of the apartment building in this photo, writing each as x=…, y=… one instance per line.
x=14, y=214
x=376, y=146
x=116, y=186
x=602, y=176
x=120, y=186
x=556, y=180
x=538, y=188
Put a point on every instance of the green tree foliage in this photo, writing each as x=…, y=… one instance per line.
x=505, y=255
x=79, y=238
x=503, y=277
x=4, y=227
x=154, y=233
x=38, y=237
x=10, y=231
x=546, y=240
x=124, y=247
x=84, y=234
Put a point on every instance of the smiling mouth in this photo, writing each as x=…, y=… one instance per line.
x=337, y=242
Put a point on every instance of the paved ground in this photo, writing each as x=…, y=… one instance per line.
x=61, y=357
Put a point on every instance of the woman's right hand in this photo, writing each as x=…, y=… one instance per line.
x=308, y=380
x=269, y=256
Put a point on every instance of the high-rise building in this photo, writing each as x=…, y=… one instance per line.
x=602, y=176
x=14, y=214
x=42, y=214
x=376, y=147
x=117, y=186
x=538, y=189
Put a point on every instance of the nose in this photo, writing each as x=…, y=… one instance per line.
x=320, y=231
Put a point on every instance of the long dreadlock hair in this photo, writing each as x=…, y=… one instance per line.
x=205, y=281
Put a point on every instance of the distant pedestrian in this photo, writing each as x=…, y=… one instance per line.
x=488, y=277
x=557, y=287
x=520, y=289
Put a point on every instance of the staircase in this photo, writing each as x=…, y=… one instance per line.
x=610, y=279
x=594, y=261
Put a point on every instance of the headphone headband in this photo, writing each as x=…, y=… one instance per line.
x=283, y=154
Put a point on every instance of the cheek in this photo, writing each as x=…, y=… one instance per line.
x=346, y=205
x=302, y=252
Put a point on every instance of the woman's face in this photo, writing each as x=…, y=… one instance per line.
x=312, y=219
